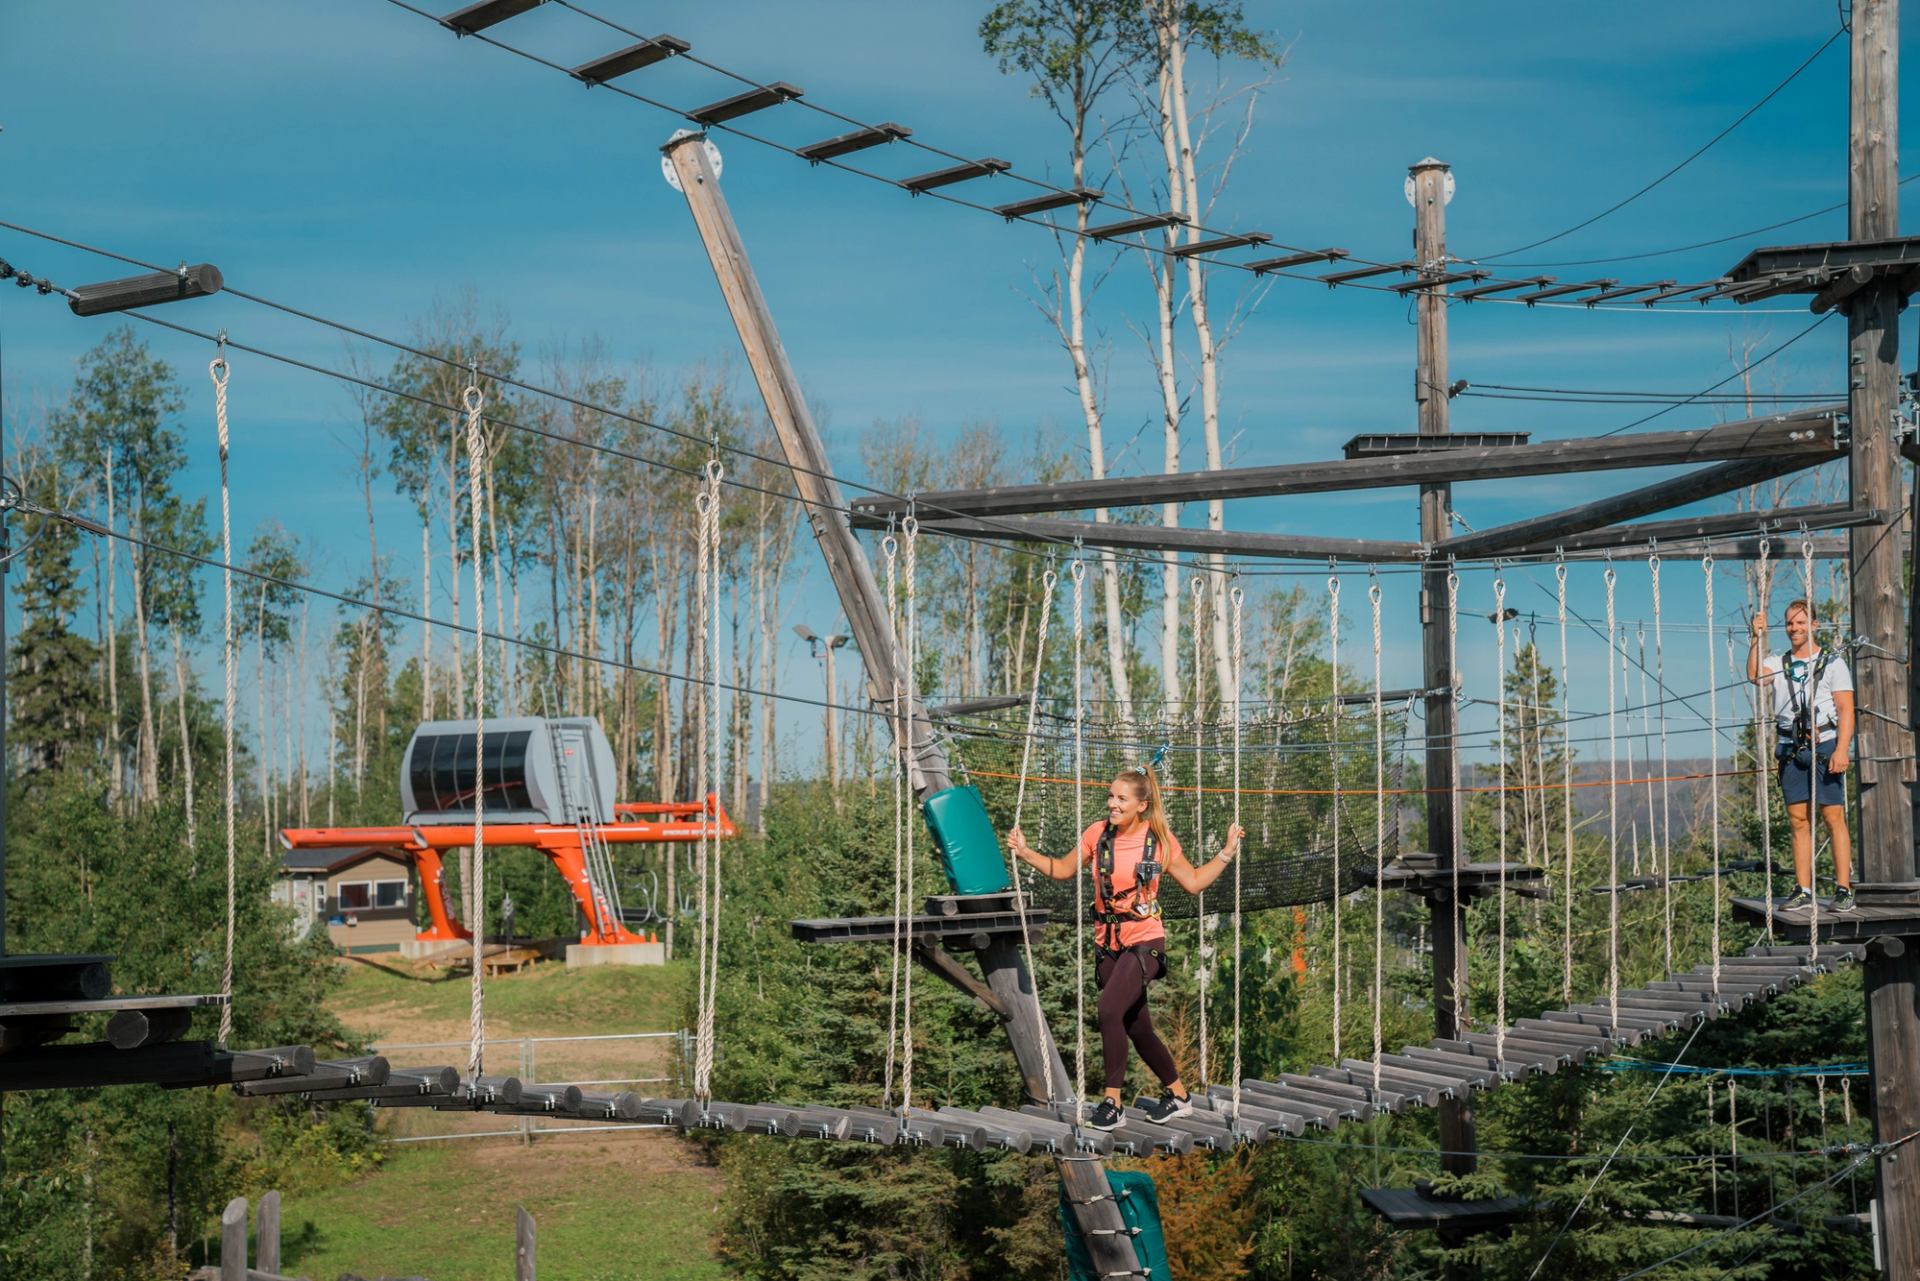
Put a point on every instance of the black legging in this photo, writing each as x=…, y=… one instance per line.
x=1123, y=979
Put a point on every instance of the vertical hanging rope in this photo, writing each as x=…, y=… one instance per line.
x=1197, y=588
x=697, y=691
x=1613, y=812
x=1566, y=795
x=477, y=1018
x=1020, y=797
x=219, y=371
x=1379, y=835
x=1813, y=827
x=1237, y=599
x=1500, y=982
x=707, y=736
x=1762, y=692
x=1666, y=808
x=1333, y=753
x=910, y=529
x=1078, y=573
x=1456, y=918
x=890, y=548
x=1713, y=762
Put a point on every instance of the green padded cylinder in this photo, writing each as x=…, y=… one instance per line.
x=963, y=835
x=1139, y=1204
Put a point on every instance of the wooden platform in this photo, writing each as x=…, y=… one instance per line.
x=42, y=996
x=1416, y=1209
x=1881, y=911
x=1420, y=873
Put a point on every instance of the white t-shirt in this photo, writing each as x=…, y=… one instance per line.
x=1790, y=690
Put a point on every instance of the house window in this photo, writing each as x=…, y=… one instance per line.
x=389, y=893
x=354, y=896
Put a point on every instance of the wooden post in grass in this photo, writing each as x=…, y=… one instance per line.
x=523, y=1244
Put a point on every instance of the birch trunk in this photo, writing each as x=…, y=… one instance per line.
x=426, y=616
x=1167, y=375
x=186, y=739
x=115, y=783
x=149, y=747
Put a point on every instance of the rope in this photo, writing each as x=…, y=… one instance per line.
x=1078, y=573
x=1500, y=982
x=1047, y=582
x=707, y=734
x=1379, y=839
x=1813, y=838
x=219, y=371
x=1237, y=599
x=1197, y=587
x=1613, y=813
x=1762, y=690
x=477, y=1015
x=1666, y=806
x=1333, y=751
x=1713, y=791
x=890, y=547
x=1456, y=916
x=910, y=527
x=1566, y=816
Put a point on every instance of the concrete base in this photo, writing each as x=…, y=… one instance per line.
x=583, y=954
x=415, y=949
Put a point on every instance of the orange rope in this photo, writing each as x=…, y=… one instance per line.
x=1391, y=791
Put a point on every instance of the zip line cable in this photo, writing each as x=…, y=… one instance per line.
x=1695, y=155
x=1748, y=368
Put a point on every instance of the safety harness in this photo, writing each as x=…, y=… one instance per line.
x=1106, y=902
x=1804, y=697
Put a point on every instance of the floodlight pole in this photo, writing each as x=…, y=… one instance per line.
x=1430, y=185
x=1088, y=1193
x=1884, y=745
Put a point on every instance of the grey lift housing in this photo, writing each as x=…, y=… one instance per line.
x=537, y=771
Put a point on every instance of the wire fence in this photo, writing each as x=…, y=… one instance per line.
x=609, y=1060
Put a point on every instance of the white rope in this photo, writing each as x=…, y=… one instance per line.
x=1713, y=764
x=1613, y=812
x=1197, y=589
x=219, y=371
x=1047, y=582
x=707, y=742
x=1762, y=693
x=1666, y=806
x=890, y=547
x=1813, y=774
x=1379, y=837
x=1237, y=598
x=910, y=528
x=473, y=399
x=1456, y=916
x=1500, y=982
x=1566, y=794
x=1333, y=752
x=1078, y=573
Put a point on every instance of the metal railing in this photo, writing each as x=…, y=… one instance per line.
x=529, y=1070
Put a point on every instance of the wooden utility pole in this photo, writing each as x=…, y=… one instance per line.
x=1885, y=743
x=1098, y=1217
x=1430, y=185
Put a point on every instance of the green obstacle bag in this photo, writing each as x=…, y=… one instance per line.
x=963, y=835
x=1140, y=1207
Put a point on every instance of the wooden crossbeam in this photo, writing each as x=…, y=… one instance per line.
x=1655, y=533
x=1806, y=433
x=1677, y=491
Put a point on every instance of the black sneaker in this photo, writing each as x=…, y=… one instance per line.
x=1801, y=899
x=1843, y=901
x=1107, y=1116
x=1166, y=1107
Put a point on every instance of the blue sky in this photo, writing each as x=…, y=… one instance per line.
x=356, y=160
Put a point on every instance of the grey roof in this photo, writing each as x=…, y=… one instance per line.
x=333, y=860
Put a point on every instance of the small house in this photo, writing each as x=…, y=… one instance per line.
x=363, y=894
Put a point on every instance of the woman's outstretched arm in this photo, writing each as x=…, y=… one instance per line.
x=1193, y=879
x=1060, y=869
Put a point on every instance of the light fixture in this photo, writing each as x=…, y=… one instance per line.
x=488, y=13
x=805, y=633
x=848, y=143
x=741, y=104
x=961, y=172
x=1051, y=201
x=631, y=58
x=149, y=290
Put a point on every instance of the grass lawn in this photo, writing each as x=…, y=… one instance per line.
x=606, y=1207
x=389, y=1002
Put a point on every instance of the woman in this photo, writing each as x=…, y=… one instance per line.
x=1813, y=703
x=1127, y=852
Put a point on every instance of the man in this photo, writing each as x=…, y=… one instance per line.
x=1813, y=705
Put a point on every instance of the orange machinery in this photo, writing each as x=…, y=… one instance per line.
x=635, y=823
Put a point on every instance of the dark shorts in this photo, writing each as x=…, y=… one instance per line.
x=1795, y=782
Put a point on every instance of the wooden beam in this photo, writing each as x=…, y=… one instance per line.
x=177, y=1063
x=1065, y=533
x=1780, y=522
x=233, y=1240
x=1677, y=491
x=1803, y=433
x=525, y=1246
x=266, y=1233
